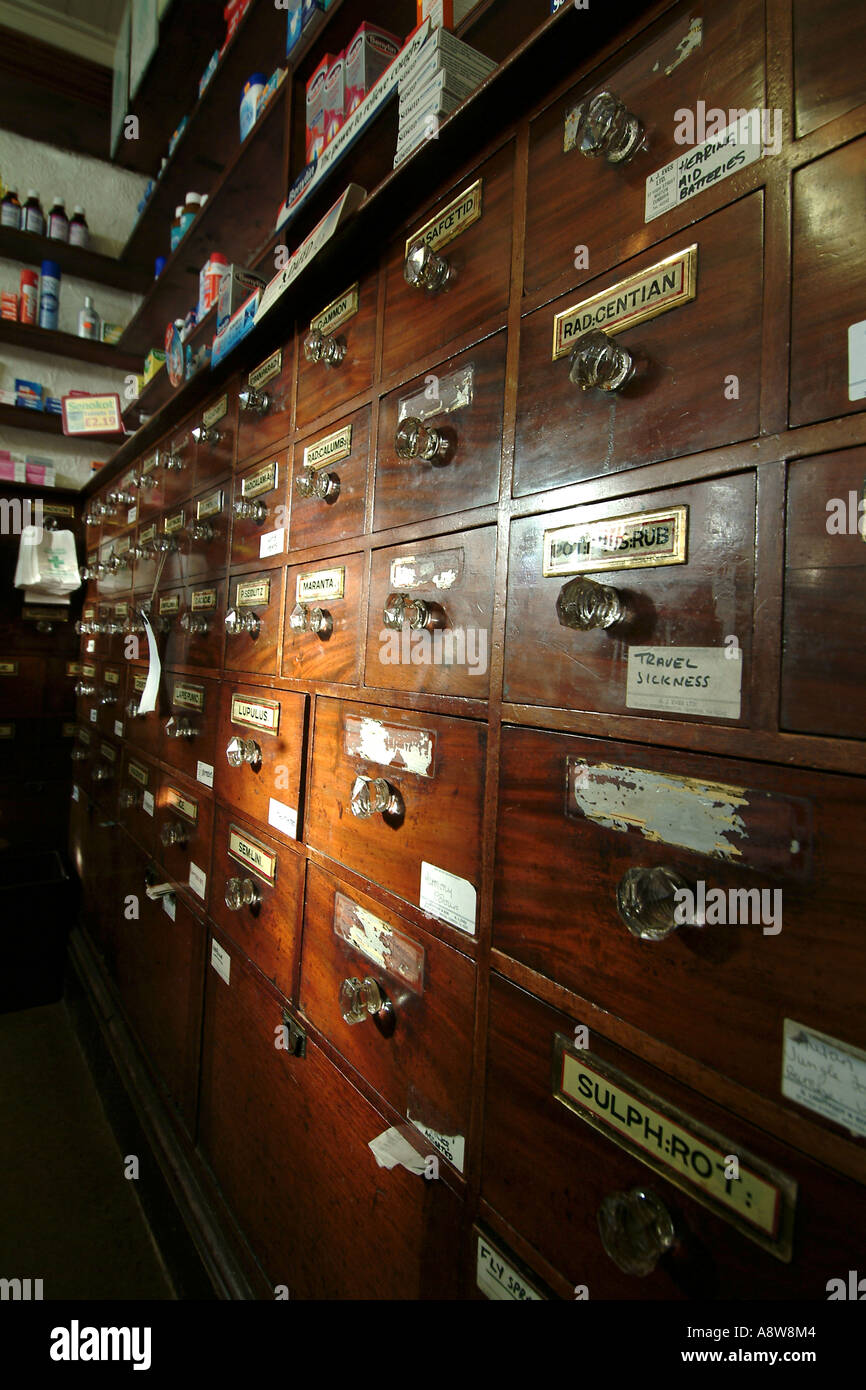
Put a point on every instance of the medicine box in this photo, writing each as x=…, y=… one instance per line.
x=370, y=52
x=316, y=109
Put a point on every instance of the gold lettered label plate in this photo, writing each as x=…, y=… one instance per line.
x=643, y=296
x=57, y=509
x=7, y=730
x=266, y=371
x=138, y=684
x=339, y=311
x=215, y=412
x=203, y=600
x=209, y=506
x=189, y=696
x=452, y=221
x=8, y=668
x=252, y=855
x=256, y=714
x=264, y=480
x=759, y=1202
x=147, y=534
x=642, y=540
x=150, y=463
x=169, y=604
x=331, y=449
x=138, y=774
x=320, y=584
x=173, y=523
x=255, y=593
x=111, y=677
x=181, y=803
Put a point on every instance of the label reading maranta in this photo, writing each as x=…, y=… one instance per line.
x=642, y=296
x=452, y=221
x=702, y=681
x=339, y=311
x=256, y=714
x=330, y=449
x=321, y=584
x=825, y=1075
x=254, y=856
x=448, y=897
x=759, y=1201
x=639, y=541
x=498, y=1280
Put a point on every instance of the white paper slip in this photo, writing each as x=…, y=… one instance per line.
x=169, y=906
x=198, y=881
x=75, y=793
x=499, y=1280
x=147, y=803
x=204, y=774
x=221, y=961
x=272, y=543
x=147, y=703
x=448, y=897
x=93, y=716
x=391, y=1148
x=118, y=729
x=131, y=515
x=687, y=680
x=825, y=1075
x=283, y=818
x=451, y=1146
x=704, y=165
x=857, y=361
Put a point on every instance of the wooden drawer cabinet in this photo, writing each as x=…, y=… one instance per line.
x=303, y=1119
x=828, y=290
x=337, y=362
x=260, y=749
x=551, y=1173
x=265, y=400
x=425, y=771
x=683, y=893
x=257, y=896
x=590, y=212
x=329, y=483
x=259, y=513
x=462, y=280
x=420, y=1005
x=324, y=620
x=823, y=689
x=189, y=730
x=671, y=573
x=430, y=614
x=683, y=359
x=254, y=622
x=440, y=439
x=183, y=837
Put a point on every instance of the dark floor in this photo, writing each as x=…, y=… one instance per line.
x=68, y=1215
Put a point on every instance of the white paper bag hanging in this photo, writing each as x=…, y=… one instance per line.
x=47, y=560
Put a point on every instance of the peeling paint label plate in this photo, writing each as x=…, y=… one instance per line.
x=643, y=296
x=639, y=541
x=825, y=1075
x=759, y=1202
x=441, y=395
x=702, y=681
x=390, y=745
x=758, y=830
x=379, y=942
x=440, y=569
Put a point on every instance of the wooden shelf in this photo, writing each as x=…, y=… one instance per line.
x=225, y=224
x=48, y=340
x=31, y=250
x=14, y=417
x=211, y=139
x=189, y=31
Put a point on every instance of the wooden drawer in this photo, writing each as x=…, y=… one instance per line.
x=203, y=622
x=189, y=730
x=172, y=537
x=110, y=714
x=269, y=788
x=114, y=555
x=590, y=213
x=469, y=228
x=454, y=576
x=257, y=896
x=81, y=756
x=533, y=1141
x=215, y=431
x=608, y=814
x=208, y=533
x=136, y=803
x=183, y=837
x=823, y=668
x=177, y=464
x=427, y=1007
x=462, y=401
x=340, y=455
x=828, y=288
x=105, y=772
x=253, y=633
x=274, y=1126
x=171, y=638
x=59, y=692
x=681, y=562
x=265, y=412
x=685, y=359
x=150, y=486
x=829, y=41
x=350, y=320
x=259, y=515
x=22, y=680
x=426, y=846
x=143, y=731
x=147, y=557
x=87, y=692
x=335, y=587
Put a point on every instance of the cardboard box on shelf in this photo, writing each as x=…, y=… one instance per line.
x=369, y=53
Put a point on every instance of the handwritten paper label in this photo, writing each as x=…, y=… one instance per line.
x=198, y=881
x=451, y=1146
x=283, y=818
x=448, y=897
x=702, y=681
x=825, y=1075
x=699, y=168
x=498, y=1280
x=221, y=961
x=204, y=774
x=272, y=543
x=148, y=803
x=857, y=361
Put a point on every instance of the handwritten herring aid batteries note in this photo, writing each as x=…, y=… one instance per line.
x=448, y=897
x=825, y=1075
x=685, y=680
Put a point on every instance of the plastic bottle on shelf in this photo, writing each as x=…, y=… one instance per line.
x=28, y=297
x=210, y=279
x=250, y=98
x=158, y=267
x=33, y=218
x=88, y=320
x=189, y=212
x=49, y=295
x=176, y=232
x=79, y=232
x=58, y=222
x=10, y=210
